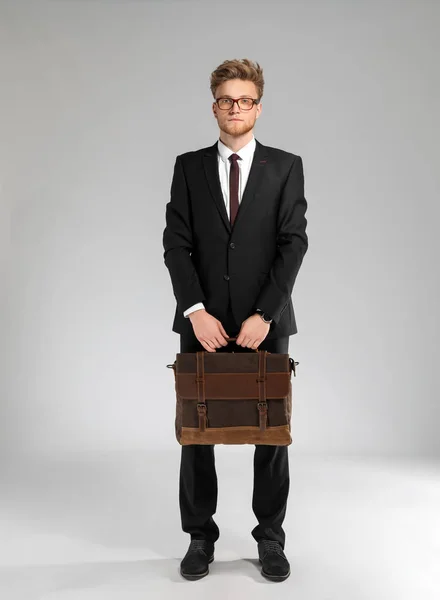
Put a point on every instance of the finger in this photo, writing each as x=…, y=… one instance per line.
x=218, y=342
x=222, y=329
x=245, y=341
x=209, y=345
x=205, y=345
x=241, y=336
x=221, y=341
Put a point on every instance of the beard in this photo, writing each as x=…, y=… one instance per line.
x=236, y=128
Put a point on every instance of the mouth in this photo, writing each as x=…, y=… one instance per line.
x=236, y=119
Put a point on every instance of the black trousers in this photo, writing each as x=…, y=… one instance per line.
x=198, y=478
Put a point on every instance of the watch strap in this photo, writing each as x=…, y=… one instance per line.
x=264, y=316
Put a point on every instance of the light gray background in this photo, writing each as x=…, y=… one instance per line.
x=97, y=100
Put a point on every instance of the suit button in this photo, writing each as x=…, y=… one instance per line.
x=232, y=245
x=226, y=277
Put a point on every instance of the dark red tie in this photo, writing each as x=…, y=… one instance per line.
x=234, y=173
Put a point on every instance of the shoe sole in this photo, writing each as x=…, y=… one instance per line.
x=274, y=577
x=191, y=577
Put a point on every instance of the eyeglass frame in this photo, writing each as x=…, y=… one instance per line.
x=235, y=100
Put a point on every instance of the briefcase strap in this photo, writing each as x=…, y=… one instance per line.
x=262, y=404
x=201, y=397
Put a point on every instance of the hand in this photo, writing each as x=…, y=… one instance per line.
x=252, y=332
x=208, y=330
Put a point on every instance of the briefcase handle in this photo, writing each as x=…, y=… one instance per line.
x=228, y=339
x=292, y=363
x=232, y=339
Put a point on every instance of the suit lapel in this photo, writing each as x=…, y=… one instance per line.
x=210, y=163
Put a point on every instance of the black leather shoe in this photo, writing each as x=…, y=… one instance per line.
x=274, y=561
x=195, y=563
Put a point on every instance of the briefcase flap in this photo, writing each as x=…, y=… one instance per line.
x=232, y=375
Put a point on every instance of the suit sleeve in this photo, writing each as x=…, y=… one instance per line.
x=178, y=243
x=292, y=244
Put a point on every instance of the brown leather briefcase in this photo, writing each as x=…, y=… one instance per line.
x=233, y=397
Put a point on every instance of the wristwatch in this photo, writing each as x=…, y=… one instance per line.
x=264, y=316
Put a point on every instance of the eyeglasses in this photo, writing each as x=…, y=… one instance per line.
x=243, y=103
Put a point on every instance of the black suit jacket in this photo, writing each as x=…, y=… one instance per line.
x=253, y=264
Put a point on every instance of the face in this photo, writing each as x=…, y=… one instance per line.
x=236, y=88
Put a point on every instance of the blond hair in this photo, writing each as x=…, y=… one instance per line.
x=244, y=69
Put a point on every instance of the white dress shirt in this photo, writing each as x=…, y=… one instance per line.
x=246, y=155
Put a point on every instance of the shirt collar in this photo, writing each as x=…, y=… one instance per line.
x=244, y=153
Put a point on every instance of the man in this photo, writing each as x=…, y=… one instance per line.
x=234, y=241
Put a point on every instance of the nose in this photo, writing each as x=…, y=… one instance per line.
x=235, y=102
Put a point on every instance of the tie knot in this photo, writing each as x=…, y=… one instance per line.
x=234, y=157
